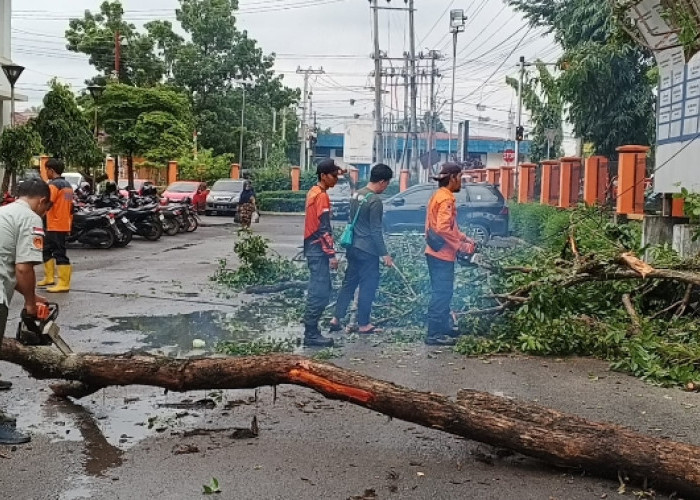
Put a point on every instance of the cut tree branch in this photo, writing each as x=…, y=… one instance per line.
x=527, y=428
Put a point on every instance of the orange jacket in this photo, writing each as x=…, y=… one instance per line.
x=60, y=217
x=441, y=216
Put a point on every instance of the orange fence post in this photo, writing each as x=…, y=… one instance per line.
x=632, y=167
x=42, y=167
x=526, y=189
x=296, y=178
x=235, y=171
x=569, y=182
x=550, y=182
x=507, y=175
x=493, y=175
x=111, y=168
x=595, y=181
x=172, y=171
x=678, y=207
x=404, y=180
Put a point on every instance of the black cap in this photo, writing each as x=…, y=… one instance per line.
x=329, y=166
x=448, y=170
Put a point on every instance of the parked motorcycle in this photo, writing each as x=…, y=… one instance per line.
x=95, y=228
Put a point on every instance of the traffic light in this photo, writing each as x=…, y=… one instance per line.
x=519, y=133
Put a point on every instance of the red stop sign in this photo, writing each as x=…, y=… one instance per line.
x=509, y=156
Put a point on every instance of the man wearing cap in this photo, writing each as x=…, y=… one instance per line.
x=444, y=241
x=319, y=251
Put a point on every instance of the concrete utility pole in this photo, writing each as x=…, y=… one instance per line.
x=434, y=55
x=519, y=127
x=303, y=139
x=457, y=25
x=240, y=146
x=379, y=138
x=414, y=89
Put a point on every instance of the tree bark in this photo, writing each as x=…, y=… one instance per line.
x=527, y=428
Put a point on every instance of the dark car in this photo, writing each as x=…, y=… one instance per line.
x=481, y=210
x=223, y=197
x=340, y=195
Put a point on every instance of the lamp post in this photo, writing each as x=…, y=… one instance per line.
x=12, y=72
x=240, y=146
x=457, y=25
x=96, y=92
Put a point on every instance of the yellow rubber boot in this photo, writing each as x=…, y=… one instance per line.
x=64, y=274
x=49, y=269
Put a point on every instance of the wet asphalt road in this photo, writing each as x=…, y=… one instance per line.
x=122, y=443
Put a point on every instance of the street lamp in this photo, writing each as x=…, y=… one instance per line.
x=12, y=72
x=96, y=92
x=240, y=146
x=457, y=25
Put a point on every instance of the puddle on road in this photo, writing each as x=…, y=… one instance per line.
x=173, y=334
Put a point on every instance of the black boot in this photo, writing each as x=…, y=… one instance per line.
x=440, y=340
x=9, y=435
x=313, y=338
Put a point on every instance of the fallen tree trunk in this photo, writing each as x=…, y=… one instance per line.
x=527, y=428
x=277, y=287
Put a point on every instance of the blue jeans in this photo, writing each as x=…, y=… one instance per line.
x=319, y=292
x=363, y=271
x=442, y=278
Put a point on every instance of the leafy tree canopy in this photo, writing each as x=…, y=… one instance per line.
x=65, y=131
x=605, y=84
x=17, y=146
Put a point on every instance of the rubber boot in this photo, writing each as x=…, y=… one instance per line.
x=10, y=436
x=313, y=338
x=64, y=274
x=49, y=269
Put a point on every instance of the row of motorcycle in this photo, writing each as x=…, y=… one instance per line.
x=111, y=220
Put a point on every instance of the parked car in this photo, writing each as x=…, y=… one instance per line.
x=178, y=191
x=139, y=184
x=340, y=195
x=223, y=197
x=75, y=179
x=481, y=210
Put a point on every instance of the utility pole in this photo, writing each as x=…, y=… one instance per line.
x=117, y=54
x=240, y=145
x=434, y=56
x=379, y=139
x=457, y=25
x=519, y=128
x=414, y=89
x=303, y=132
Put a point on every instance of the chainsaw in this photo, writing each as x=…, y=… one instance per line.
x=470, y=257
x=42, y=329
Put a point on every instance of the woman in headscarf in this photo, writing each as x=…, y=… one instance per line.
x=246, y=204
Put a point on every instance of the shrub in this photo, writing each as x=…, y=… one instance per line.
x=281, y=201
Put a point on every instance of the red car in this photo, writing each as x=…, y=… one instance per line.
x=194, y=190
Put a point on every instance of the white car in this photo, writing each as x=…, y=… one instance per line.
x=75, y=179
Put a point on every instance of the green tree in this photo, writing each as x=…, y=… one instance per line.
x=605, y=83
x=542, y=98
x=17, y=147
x=155, y=123
x=96, y=34
x=66, y=132
x=207, y=167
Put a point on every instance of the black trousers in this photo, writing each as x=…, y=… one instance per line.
x=442, y=279
x=319, y=292
x=3, y=320
x=362, y=271
x=55, y=247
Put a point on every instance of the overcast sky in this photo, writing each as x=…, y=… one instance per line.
x=333, y=34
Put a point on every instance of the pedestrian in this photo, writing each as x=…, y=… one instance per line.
x=319, y=251
x=368, y=247
x=444, y=241
x=59, y=220
x=246, y=204
x=21, y=244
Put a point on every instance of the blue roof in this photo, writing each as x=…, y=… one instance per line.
x=476, y=145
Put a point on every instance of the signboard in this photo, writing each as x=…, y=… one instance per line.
x=359, y=142
x=509, y=156
x=678, y=102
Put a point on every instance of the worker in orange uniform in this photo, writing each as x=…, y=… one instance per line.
x=444, y=241
x=319, y=251
x=59, y=220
